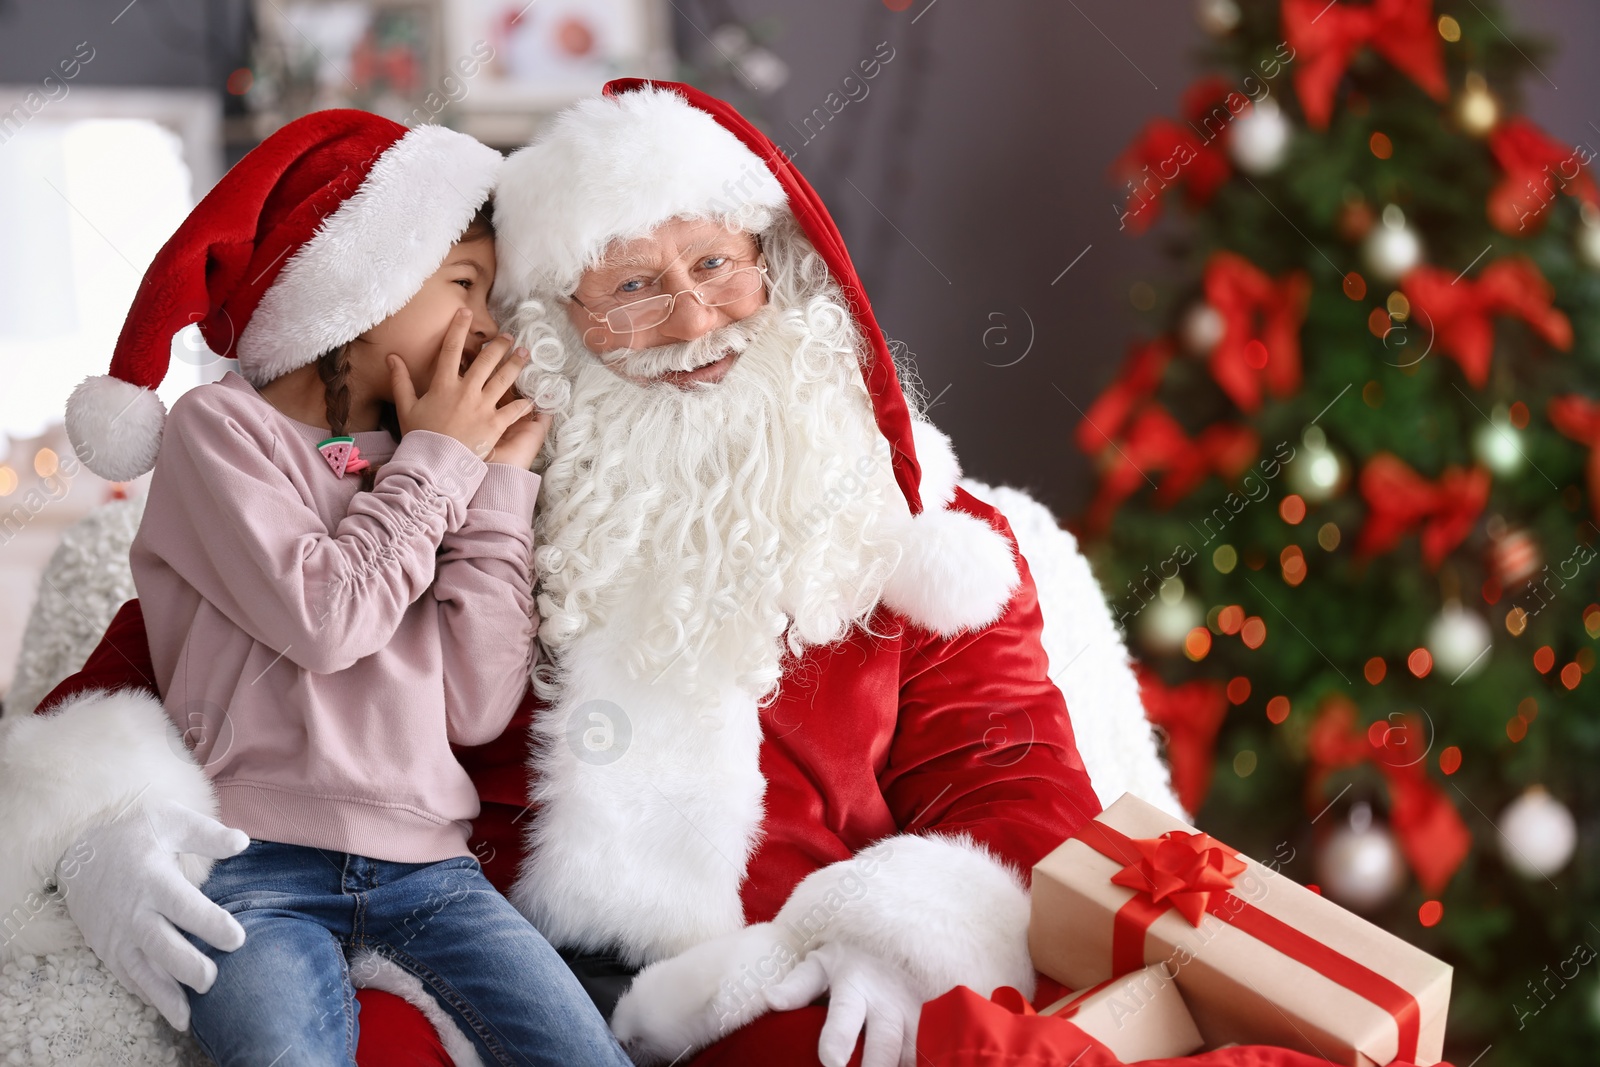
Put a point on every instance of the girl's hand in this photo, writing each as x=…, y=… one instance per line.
x=463, y=406
x=522, y=440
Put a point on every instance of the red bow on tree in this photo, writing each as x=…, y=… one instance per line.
x=1261, y=328
x=1537, y=167
x=1181, y=869
x=1136, y=382
x=1167, y=152
x=1400, y=499
x=1155, y=442
x=1579, y=418
x=1326, y=36
x=1458, y=311
x=1190, y=715
x=1426, y=823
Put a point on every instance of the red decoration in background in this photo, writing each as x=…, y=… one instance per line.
x=1579, y=418
x=1326, y=36
x=1166, y=152
x=1156, y=443
x=1400, y=499
x=1458, y=310
x=1190, y=714
x=1260, y=344
x=1537, y=166
x=1136, y=382
x=1425, y=822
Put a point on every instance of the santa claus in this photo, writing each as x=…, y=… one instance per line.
x=792, y=733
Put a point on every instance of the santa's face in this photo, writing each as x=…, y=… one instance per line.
x=663, y=308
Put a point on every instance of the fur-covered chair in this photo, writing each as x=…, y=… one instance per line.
x=65, y=1008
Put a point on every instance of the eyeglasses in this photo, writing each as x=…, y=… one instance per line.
x=729, y=287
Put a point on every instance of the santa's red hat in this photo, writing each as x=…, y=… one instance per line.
x=615, y=167
x=324, y=230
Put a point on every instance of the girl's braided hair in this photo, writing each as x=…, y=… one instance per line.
x=333, y=366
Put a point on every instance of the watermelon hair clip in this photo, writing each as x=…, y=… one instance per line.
x=343, y=456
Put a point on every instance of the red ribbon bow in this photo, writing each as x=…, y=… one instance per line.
x=1155, y=442
x=1166, y=152
x=1261, y=328
x=1181, y=870
x=1579, y=418
x=1458, y=311
x=1426, y=824
x=1190, y=715
x=1326, y=36
x=1400, y=499
x=1537, y=166
x=1136, y=382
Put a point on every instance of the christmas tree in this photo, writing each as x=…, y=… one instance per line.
x=1348, y=504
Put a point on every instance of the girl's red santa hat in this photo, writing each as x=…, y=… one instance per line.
x=325, y=229
x=614, y=167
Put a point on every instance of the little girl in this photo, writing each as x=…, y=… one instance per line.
x=330, y=609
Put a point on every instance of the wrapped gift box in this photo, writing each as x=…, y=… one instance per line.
x=1258, y=958
x=1140, y=1016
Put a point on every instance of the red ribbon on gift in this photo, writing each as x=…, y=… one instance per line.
x=1326, y=36
x=1261, y=318
x=1400, y=499
x=1537, y=166
x=1457, y=310
x=1185, y=870
x=1578, y=417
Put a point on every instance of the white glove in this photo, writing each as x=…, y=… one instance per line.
x=123, y=886
x=862, y=990
x=681, y=1004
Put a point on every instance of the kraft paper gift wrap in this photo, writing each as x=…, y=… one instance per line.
x=1258, y=958
x=1140, y=1016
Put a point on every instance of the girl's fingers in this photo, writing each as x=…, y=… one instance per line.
x=505, y=374
x=512, y=413
x=405, y=394
x=447, y=368
x=488, y=360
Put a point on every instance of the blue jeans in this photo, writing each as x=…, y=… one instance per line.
x=285, y=997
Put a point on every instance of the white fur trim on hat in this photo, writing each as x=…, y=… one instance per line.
x=115, y=427
x=371, y=255
x=614, y=168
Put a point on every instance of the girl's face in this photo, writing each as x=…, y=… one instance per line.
x=416, y=332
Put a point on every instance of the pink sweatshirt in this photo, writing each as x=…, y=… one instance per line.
x=320, y=648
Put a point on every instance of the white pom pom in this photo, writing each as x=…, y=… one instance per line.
x=958, y=573
x=115, y=427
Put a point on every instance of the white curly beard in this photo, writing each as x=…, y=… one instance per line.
x=720, y=524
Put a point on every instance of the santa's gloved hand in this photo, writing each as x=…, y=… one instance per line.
x=863, y=990
x=123, y=886
x=680, y=1005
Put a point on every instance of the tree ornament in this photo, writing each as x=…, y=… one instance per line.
x=1317, y=472
x=1477, y=109
x=1260, y=138
x=1537, y=834
x=1360, y=865
x=1356, y=219
x=1201, y=329
x=1393, y=247
x=1169, y=617
x=1498, y=444
x=1589, y=236
x=1217, y=17
x=1514, y=556
x=1458, y=640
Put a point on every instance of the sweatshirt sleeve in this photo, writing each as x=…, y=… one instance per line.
x=231, y=524
x=484, y=590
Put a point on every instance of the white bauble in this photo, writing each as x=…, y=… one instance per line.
x=1217, y=17
x=1201, y=328
x=1537, y=834
x=1498, y=445
x=1392, y=248
x=1317, y=472
x=1360, y=865
x=1167, y=620
x=1457, y=640
x=1589, y=237
x=1260, y=138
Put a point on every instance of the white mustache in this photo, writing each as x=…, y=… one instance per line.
x=650, y=363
